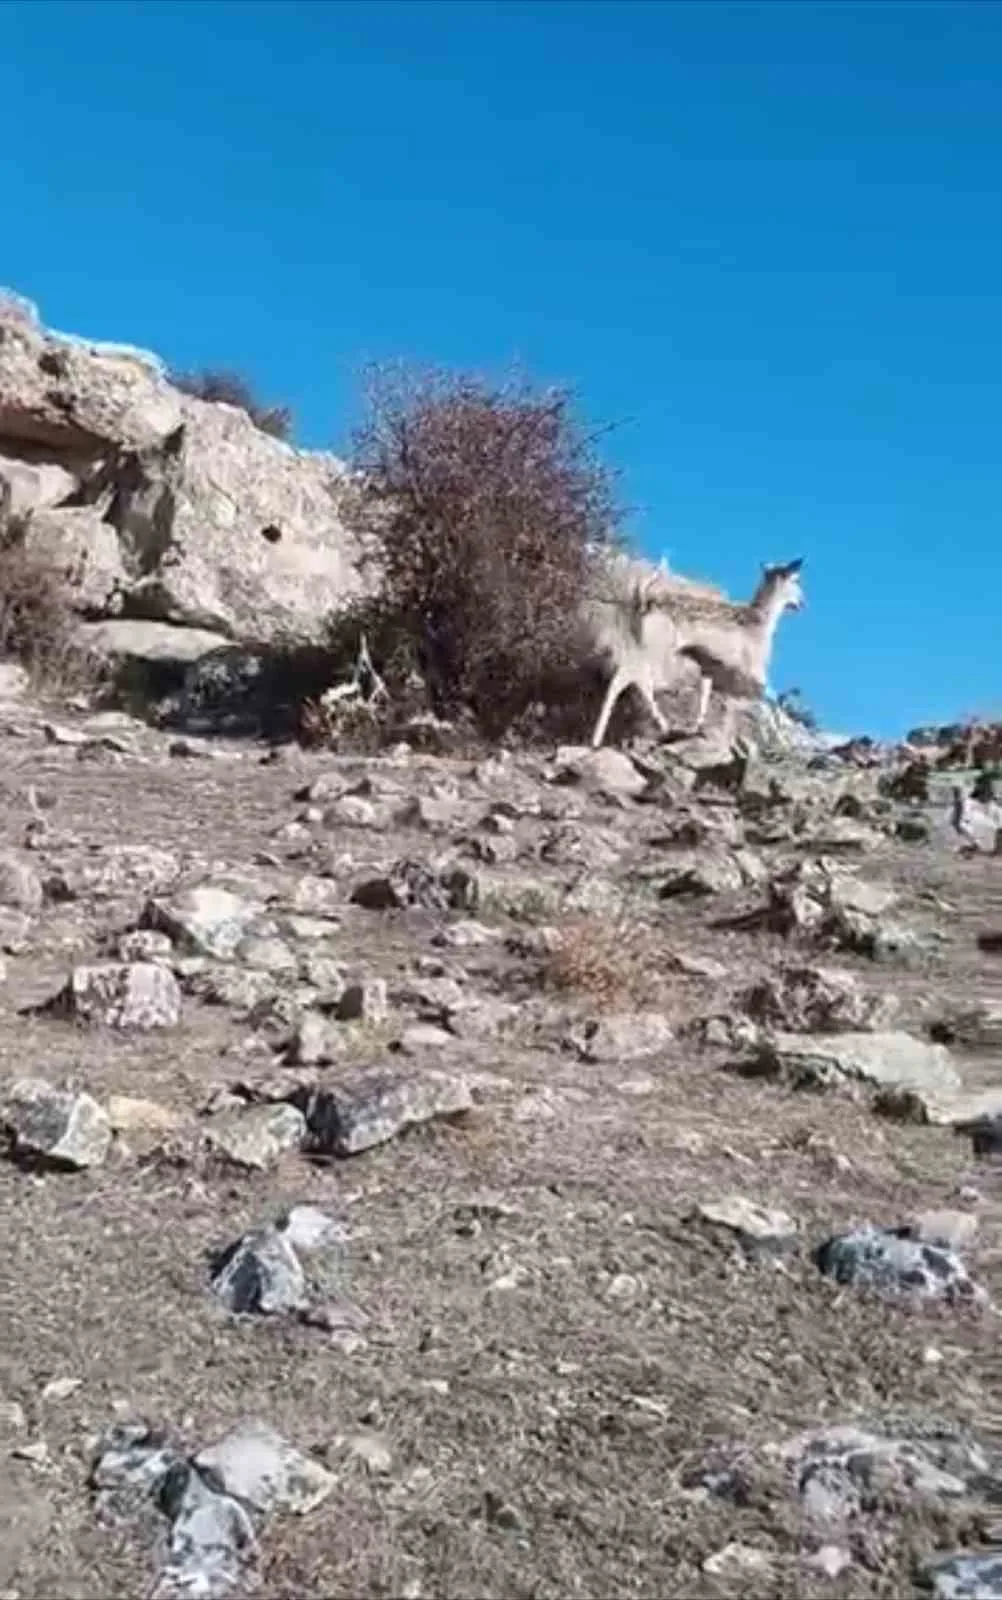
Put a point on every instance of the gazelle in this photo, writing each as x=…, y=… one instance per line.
x=647, y=630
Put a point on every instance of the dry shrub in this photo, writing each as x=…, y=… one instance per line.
x=484, y=508
x=612, y=962
x=232, y=390
x=38, y=626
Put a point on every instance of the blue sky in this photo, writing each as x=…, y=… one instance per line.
x=765, y=237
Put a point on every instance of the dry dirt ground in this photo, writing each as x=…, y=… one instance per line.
x=555, y=1350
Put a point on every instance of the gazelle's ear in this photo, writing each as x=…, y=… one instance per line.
x=795, y=565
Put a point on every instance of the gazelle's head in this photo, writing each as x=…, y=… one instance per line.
x=781, y=586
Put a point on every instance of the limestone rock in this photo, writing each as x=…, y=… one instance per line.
x=134, y=996
x=257, y=1137
x=64, y=1127
x=240, y=533
x=78, y=543
x=807, y=999
x=881, y=1060
x=258, y=1467
x=34, y=483
x=79, y=399
x=896, y=1261
x=624, y=1036
x=206, y=920
x=153, y=643
x=372, y=1105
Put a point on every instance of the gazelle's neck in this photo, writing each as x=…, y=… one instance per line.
x=766, y=609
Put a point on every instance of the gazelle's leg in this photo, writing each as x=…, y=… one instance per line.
x=654, y=708
x=729, y=719
x=620, y=681
x=705, y=691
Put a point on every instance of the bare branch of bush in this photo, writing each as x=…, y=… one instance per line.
x=484, y=508
x=231, y=389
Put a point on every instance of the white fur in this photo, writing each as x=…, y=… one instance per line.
x=646, y=622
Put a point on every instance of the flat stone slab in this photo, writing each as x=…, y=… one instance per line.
x=883, y=1060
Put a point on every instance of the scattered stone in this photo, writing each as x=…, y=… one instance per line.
x=206, y=1498
x=205, y=920
x=757, y=1230
x=270, y=955
x=20, y=886
x=373, y=1105
x=410, y=883
x=145, y=944
x=135, y=996
x=624, y=1036
x=465, y=934
x=977, y=1027
x=64, y=1127
x=261, y=1273
x=704, y=876
x=364, y=1002
x=895, y=1260
x=257, y=1466
x=965, y=1575
x=257, y=1137
x=130, y=1114
x=211, y=1538
x=738, y=1561
x=806, y=999
x=843, y=1471
x=316, y=1042
x=880, y=1060
x=606, y=771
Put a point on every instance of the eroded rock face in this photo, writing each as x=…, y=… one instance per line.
x=160, y=506
x=235, y=531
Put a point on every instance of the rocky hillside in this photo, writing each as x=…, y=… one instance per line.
x=534, y=1176
x=179, y=523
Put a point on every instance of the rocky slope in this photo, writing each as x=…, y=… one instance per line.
x=179, y=524
x=546, y=1175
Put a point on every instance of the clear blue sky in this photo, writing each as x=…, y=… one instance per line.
x=767, y=237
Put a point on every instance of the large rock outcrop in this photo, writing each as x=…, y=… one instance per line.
x=159, y=506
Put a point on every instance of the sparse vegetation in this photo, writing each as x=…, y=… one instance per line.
x=611, y=963
x=792, y=702
x=484, y=505
x=233, y=390
x=37, y=624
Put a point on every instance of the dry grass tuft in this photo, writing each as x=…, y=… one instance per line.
x=38, y=626
x=612, y=962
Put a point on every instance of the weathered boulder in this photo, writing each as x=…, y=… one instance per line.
x=807, y=999
x=236, y=531
x=881, y=1060
x=134, y=996
x=61, y=1126
x=79, y=398
x=372, y=1105
x=78, y=543
x=184, y=511
x=158, y=643
x=34, y=483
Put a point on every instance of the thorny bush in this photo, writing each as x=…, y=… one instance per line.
x=483, y=508
x=232, y=390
